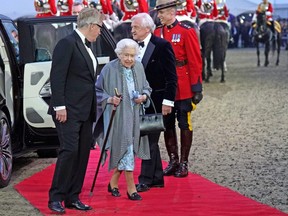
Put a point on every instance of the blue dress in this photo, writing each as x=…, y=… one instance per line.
x=127, y=162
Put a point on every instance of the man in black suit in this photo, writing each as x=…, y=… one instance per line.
x=157, y=57
x=73, y=107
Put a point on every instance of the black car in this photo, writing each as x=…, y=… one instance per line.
x=26, y=48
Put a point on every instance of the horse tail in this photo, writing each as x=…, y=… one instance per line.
x=219, y=45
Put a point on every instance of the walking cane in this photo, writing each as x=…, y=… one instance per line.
x=104, y=143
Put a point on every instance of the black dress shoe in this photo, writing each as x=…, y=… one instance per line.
x=77, y=205
x=115, y=191
x=157, y=185
x=56, y=207
x=134, y=196
x=142, y=187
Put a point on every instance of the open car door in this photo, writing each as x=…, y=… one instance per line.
x=37, y=39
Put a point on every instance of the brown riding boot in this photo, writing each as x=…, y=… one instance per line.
x=186, y=142
x=172, y=149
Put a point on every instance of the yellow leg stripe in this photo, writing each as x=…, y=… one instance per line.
x=189, y=119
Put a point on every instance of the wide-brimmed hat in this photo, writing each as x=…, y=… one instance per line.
x=162, y=4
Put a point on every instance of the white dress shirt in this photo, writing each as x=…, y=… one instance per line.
x=143, y=49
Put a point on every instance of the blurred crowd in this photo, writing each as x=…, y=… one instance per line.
x=241, y=33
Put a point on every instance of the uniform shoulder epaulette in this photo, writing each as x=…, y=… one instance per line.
x=184, y=25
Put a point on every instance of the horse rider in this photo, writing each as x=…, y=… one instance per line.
x=108, y=11
x=184, y=11
x=132, y=7
x=266, y=7
x=207, y=11
x=223, y=13
x=45, y=8
x=105, y=7
x=65, y=7
x=193, y=14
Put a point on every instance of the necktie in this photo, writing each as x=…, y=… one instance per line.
x=141, y=44
x=87, y=43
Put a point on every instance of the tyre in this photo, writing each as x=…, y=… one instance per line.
x=6, y=160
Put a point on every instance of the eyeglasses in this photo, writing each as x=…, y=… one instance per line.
x=97, y=25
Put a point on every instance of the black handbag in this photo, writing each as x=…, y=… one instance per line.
x=151, y=123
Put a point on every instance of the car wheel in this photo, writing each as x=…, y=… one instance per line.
x=6, y=160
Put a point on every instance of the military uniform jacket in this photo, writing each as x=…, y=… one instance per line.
x=268, y=8
x=186, y=47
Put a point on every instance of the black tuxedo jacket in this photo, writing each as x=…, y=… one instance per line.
x=160, y=70
x=73, y=79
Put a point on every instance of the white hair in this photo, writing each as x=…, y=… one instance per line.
x=126, y=43
x=146, y=21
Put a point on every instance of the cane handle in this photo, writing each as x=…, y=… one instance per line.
x=117, y=93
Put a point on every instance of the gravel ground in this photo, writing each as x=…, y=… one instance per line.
x=240, y=135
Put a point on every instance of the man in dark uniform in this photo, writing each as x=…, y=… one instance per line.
x=186, y=47
x=157, y=57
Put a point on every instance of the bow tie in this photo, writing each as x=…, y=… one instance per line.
x=87, y=43
x=141, y=44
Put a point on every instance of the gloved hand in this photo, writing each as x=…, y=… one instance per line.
x=197, y=97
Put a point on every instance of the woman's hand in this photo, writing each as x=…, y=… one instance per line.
x=140, y=99
x=114, y=100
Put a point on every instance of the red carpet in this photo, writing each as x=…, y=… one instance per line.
x=193, y=195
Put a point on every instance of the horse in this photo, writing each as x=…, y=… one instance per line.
x=227, y=28
x=122, y=30
x=262, y=33
x=213, y=39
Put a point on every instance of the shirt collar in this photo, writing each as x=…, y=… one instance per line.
x=147, y=39
x=173, y=24
x=80, y=35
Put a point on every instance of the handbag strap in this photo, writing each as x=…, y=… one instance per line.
x=151, y=101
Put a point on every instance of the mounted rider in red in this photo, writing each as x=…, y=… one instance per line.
x=132, y=7
x=45, y=8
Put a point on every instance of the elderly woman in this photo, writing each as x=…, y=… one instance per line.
x=127, y=75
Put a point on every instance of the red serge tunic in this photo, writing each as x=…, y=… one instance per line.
x=68, y=8
x=184, y=41
x=130, y=12
x=268, y=8
x=48, y=9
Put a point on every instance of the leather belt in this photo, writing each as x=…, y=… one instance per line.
x=180, y=63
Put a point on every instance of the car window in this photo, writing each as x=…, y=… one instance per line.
x=12, y=33
x=38, y=39
x=46, y=36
